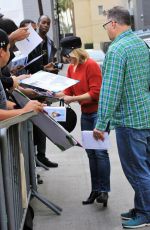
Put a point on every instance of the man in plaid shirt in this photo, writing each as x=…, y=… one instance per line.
x=125, y=105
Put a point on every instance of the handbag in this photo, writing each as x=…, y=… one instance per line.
x=71, y=118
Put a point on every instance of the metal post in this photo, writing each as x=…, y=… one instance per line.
x=3, y=215
x=40, y=7
x=48, y=203
x=7, y=182
x=56, y=27
x=55, y=208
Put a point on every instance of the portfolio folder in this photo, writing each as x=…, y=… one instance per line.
x=52, y=129
x=48, y=81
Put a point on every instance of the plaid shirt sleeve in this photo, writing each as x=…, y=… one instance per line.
x=112, y=87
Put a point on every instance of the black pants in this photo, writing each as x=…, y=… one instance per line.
x=39, y=141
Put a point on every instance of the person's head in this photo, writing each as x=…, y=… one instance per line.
x=78, y=56
x=44, y=24
x=4, y=48
x=118, y=21
x=26, y=22
x=71, y=49
x=7, y=25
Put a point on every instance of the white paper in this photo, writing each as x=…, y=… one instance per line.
x=22, y=59
x=49, y=81
x=19, y=60
x=147, y=40
x=57, y=113
x=89, y=142
x=33, y=60
x=28, y=44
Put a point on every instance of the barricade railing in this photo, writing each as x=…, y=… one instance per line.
x=17, y=172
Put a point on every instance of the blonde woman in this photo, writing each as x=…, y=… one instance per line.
x=86, y=92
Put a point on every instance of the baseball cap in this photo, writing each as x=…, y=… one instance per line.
x=70, y=43
x=4, y=41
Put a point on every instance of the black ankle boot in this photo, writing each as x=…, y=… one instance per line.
x=91, y=198
x=102, y=198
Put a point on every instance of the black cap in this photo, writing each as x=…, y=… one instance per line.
x=4, y=41
x=70, y=43
x=8, y=25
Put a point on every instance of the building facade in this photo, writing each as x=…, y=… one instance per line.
x=89, y=18
x=25, y=9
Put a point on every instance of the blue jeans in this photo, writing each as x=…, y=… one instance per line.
x=134, y=152
x=98, y=159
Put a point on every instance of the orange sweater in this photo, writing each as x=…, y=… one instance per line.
x=89, y=75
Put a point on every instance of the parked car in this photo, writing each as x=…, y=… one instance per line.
x=97, y=55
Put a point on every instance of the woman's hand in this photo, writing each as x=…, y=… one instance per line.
x=68, y=99
x=23, y=76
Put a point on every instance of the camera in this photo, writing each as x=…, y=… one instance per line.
x=58, y=65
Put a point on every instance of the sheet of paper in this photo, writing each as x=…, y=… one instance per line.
x=28, y=44
x=89, y=142
x=147, y=40
x=49, y=81
x=33, y=60
x=19, y=60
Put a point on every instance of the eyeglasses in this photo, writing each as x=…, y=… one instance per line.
x=104, y=26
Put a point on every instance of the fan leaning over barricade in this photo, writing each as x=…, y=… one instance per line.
x=48, y=50
x=9, y=79
x=7, y=108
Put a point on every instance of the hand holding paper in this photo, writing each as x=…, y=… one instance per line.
x=89, y=142
x=98, y=135
x=29, y=44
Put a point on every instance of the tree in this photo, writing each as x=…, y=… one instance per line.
x=67, y=6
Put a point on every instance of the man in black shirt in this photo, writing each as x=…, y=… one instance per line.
x=47, y=47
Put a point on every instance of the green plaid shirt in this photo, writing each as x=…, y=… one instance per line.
x=125, y=96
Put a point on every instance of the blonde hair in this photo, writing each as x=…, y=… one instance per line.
x=80, y=54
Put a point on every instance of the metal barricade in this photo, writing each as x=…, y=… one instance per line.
x=17, y=172
x=3, y=216
x=15, y=185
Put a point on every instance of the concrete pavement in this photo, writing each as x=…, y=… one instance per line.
x=69, y=184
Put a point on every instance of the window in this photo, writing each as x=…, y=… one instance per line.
x=100, y=10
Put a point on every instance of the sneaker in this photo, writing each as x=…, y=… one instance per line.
x=137, y=222
x=128, y=215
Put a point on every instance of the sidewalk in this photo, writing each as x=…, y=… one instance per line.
x=69, y=184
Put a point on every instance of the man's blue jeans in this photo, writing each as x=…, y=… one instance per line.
x=134, y=152
x=98, y=159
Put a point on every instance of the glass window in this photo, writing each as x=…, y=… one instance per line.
x=100, y=10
